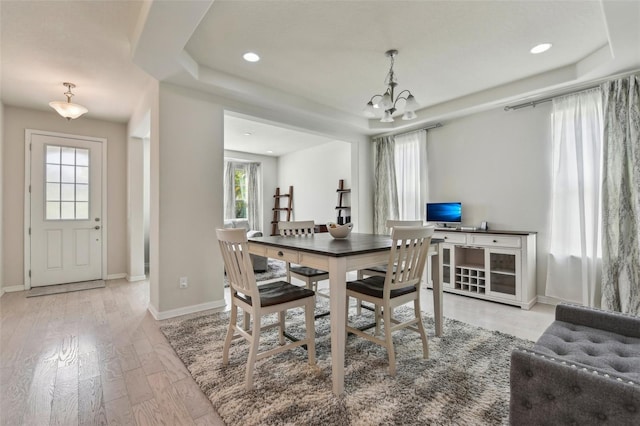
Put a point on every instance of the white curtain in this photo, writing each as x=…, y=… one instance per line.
x=253, y=196
x=385, y=194
x=411, y=174
x=229, y=190
x=574, y=266
x=621, y=196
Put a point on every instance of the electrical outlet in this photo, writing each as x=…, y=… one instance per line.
x=183, y=282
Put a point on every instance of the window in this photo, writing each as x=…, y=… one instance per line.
x=240, y=191
x=67, y=183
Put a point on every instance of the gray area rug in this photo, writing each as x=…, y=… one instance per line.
x=65, y=288
x=465, y=381
x=275, y=269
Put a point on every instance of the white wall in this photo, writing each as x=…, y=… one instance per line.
x=2, y=180
x=190, y=160
x=314, y=174
x=135, y=209
x=498, y=164
x=269, y=168
x=16, y=120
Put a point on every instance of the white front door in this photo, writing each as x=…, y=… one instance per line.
x=66, y=209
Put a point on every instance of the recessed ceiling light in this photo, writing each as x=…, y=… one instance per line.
x=269, y=152
x=251, y=57
x=247, y=133
x=542, y=47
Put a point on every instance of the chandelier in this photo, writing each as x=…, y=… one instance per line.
x=387, y=102
x=68, y=109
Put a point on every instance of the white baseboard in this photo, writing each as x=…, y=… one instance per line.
x=12, y=288
x=549, y=300
x=116, y=276
x=136, y=278
x=216, y=304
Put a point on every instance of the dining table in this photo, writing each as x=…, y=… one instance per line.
x=338, y=256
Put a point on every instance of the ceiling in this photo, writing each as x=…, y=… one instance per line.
x=321, y=60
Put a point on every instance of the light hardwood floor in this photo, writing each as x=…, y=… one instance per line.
x=92, y=357
x=98, y=357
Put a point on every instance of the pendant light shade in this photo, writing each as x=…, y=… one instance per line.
x=68, y=109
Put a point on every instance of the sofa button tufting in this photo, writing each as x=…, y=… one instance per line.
x=575, y=389
x=528, y=405
x=529, y=373
x=601, y=416
x=550, y=397
x=630, y=408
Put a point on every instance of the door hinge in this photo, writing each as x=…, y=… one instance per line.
x=29, y=273
x=29, y=231
x=29, y=189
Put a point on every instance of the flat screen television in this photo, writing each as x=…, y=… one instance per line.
x=444, y=213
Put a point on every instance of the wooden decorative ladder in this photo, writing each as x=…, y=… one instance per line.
x=346, y=217
x=277, y=209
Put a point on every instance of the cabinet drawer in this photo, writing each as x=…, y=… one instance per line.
x=495, y=241
x=451, y=237
x=282, y=254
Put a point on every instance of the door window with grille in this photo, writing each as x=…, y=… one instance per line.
x=67, y=183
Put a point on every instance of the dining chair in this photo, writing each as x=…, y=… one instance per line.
x=258, y=301
x=310, y=276
x=381, y=270
x=399, y=286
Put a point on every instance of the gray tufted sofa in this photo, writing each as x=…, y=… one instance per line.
x=584, y=370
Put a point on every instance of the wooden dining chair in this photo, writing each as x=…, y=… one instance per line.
x=399, y=286
x=310, y=276
x=258, y=301
x=381, y=270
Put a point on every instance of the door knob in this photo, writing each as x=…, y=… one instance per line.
x=97, y=227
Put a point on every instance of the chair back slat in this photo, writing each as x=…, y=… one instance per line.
x=390, y=224
x=298, y=227
x=234, y=248
x=409, y=248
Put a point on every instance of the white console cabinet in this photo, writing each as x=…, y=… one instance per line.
x=491, y=265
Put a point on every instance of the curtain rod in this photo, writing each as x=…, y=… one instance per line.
x=432, y=126
x=568, y=92
x=548, y=99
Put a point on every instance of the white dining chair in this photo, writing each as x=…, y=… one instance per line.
x=381, y=270
x=258, y=301
x=310, y=276
x=400, y=285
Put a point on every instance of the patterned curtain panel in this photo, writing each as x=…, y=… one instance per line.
x=253, y=196
x=573, y=265
x=229, y=191
x=621, y=196
x=385, y=196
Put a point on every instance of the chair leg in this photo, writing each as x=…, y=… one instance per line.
x=253, y=351
x=386, y=313
x=378, y=317
x=246, y=320
x=311, y=330
x=281, y=316
x=421, y=330
x=346, y=320
x=227, y=341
